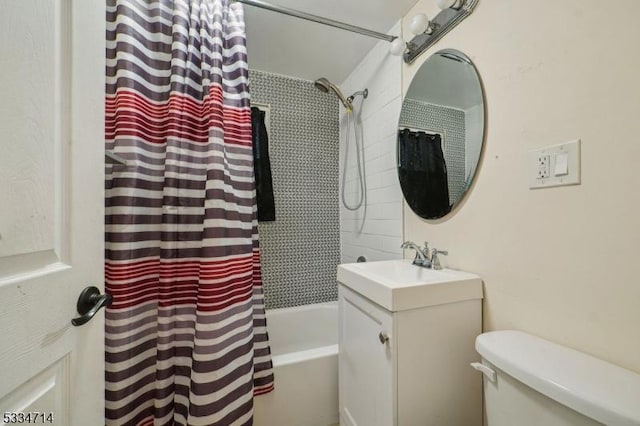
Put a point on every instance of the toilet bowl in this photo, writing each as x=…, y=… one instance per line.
x=529, y=381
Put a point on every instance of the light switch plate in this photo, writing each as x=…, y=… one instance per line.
x=552, y=154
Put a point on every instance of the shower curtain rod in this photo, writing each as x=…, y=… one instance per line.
x=318, y=19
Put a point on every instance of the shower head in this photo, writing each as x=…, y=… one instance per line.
x=325, y=85
x=322, y=84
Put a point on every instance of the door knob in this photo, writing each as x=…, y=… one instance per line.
x=89, y=303
x=384, y=337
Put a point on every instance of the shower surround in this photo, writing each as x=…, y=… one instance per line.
x=301, y=249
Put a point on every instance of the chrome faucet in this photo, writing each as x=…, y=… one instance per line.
x=422, y=255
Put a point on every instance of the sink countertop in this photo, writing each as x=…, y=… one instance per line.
x=398, y=285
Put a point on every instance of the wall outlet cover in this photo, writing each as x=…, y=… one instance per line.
x=563, y=160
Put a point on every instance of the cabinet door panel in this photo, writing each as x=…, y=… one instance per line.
x=366, y=363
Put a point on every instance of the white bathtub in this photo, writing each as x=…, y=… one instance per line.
x=304, y=346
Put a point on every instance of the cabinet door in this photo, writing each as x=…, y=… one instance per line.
x=366, y=367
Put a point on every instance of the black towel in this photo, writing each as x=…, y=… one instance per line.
x=423, y=173
x=262, y=167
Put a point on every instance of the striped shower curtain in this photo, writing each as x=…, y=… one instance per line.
x=186, y=340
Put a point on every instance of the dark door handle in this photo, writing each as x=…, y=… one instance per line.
x=89, y=303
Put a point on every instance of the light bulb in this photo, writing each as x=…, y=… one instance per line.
x=419, y=24
x=446, y=4
x=397, y=47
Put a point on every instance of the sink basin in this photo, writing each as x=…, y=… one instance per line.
x=398, y=285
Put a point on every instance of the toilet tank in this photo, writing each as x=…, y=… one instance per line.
x=529, y=381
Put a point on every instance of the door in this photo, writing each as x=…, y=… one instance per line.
x=366, y=362
x=51, y=210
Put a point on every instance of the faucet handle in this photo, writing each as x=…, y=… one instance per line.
x=435, y=262
x=407, y=244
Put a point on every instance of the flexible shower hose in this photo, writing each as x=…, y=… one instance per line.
x=357, y=130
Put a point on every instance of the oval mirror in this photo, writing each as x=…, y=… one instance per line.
x=440, y=134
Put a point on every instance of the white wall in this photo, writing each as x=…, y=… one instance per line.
x=561, y=263
x=377, y=232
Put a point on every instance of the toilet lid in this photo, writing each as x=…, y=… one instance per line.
x=593, y=387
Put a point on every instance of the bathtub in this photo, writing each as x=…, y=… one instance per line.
x=304, y=347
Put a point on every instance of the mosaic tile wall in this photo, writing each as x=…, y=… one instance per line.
x=301, y=249
x=447, y=121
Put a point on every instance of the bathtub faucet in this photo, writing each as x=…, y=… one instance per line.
x=422, y=255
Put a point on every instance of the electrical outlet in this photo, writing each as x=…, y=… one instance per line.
x=556, y=165
x=544, y=166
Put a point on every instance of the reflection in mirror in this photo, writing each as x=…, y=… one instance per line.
x=440, y=135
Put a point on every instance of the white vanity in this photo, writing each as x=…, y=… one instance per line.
x=406, y=340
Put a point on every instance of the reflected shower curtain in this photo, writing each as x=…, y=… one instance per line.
x=186, y=340
x=422, y=170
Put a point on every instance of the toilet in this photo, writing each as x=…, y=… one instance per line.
x=529, y=381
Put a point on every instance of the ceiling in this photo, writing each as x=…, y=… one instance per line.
x=291, y=46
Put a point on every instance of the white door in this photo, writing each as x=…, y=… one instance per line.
x=51, y=210
x=366, y=362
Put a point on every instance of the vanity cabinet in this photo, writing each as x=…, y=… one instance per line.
x=366, y=362
x=408, y=367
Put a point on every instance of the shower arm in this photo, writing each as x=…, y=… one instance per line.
x=318, y=19
x=364, y=93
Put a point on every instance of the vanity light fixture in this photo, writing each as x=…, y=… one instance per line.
x=420, y=24
x=444, y=4
x=428, y=32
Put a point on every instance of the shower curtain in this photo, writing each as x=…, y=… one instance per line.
x=186, y=340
